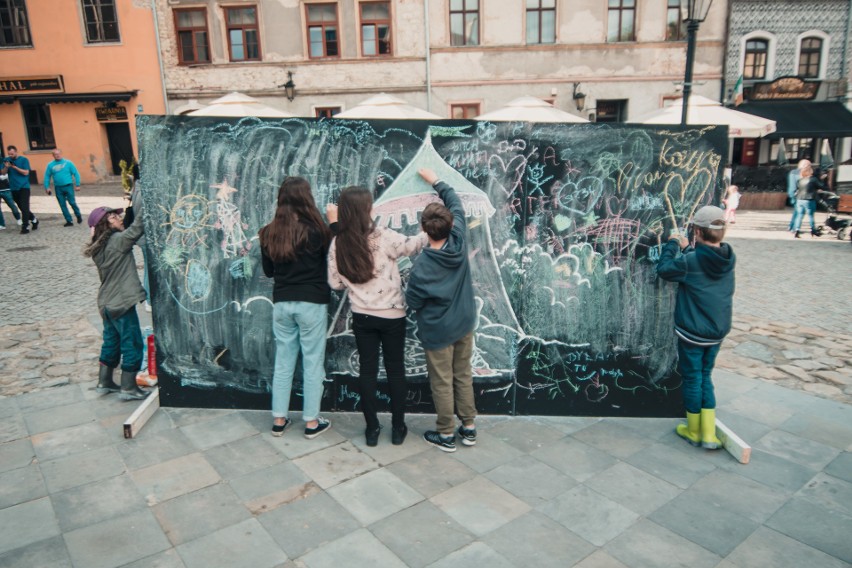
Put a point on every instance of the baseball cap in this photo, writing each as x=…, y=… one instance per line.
x=709, y=217
x=99, y=213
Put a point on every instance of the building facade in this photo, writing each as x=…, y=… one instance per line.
x=456, y=58
x=73, y=75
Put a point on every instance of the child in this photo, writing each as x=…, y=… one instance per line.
x=441, y=293
x=702, y=316
x=111, y=249
x=731, y=201
x=362, y=258
x=293, y=249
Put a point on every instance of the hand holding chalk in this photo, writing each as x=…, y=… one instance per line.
x=331, y=212
x=677, y=235
x=428, y=175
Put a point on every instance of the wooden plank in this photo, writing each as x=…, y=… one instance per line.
x=845, y=204
x=733, y=443
x=141, y=415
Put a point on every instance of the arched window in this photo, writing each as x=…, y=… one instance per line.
x=810, y=56
x=755, y=60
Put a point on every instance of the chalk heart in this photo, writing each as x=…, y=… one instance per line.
x=580, y=196
x=514, y=168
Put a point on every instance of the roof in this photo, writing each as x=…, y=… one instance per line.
x=801, y=119
x=71, y=97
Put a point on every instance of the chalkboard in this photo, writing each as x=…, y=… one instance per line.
x=565, y=223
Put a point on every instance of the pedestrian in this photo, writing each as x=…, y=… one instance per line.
x=793, y=187
x=294, y=251
x=809, y=188
x=362, y=259
x=6, y=195
x=731, y=201
x=66, y=180
x=703, y=310
x=441, y=294
x=111, y=249
x=18, y=169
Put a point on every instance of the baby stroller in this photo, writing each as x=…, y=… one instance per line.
x=833, y=224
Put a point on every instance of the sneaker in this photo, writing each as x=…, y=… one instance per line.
x=68, y=224
x=398, y=435
x=467, y=435
x=24, y=230
x=35, y=224
x=79, y=219
x=19, y=222
x=443, y=443
x=322, y=426
x=278, y=429
x=372, y=436
x=2, y=227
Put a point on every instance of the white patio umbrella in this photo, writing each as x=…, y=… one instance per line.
x=238, y=104
x=707, y=111
x=530, y=109
x=385, y=106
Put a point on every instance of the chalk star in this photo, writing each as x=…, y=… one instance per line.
x=225, y=190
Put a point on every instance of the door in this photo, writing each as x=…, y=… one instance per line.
x=749, y=155
x=120, y=146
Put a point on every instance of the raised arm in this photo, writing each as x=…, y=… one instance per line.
x=672, y=264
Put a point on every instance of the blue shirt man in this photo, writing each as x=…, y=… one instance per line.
x=66, y=179
x=18, y=168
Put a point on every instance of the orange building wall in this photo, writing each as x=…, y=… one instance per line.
x=60, y=48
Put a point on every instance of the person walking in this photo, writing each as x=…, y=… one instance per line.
x=111, y=249
x=18, y=169
x=362, y=259
x=793, y=186
x=6, y=195
x=294, y=249
x=66, y=180
x=809, y=188
x=731, y=201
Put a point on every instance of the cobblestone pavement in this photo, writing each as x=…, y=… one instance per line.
x=793, y=305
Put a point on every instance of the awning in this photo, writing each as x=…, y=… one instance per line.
x=804, y=119
x=72, y=97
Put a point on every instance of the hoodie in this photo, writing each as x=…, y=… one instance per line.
x=705, y=296
x=440, y=289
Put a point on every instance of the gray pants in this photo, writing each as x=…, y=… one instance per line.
x=451, y=379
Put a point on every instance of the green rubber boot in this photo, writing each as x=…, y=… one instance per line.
x=691, y=431
x=708, y=429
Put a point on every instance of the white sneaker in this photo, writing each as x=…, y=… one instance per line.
x=19, y=222
x=2, y=227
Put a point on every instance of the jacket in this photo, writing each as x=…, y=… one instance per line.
x=705, y=294
x=120, y=287
x=305, y=279
x=808, y=188
x=63, y=173
x=440, y=288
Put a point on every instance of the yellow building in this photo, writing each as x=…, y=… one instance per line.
x=73, y=75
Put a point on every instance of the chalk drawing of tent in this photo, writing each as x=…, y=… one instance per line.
x=399, y=208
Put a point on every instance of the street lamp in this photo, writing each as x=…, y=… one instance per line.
x=289, y=87
x=579, y=98
x=693, y=12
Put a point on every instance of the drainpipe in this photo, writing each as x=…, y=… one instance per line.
x=160, y=55
x=846, y=55
x=724, y=86
x=429, y=58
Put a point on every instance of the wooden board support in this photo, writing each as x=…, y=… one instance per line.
x=141, y=415
x=733, y=443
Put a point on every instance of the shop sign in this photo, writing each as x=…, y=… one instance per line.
x=51, y=84
x=110, y=114
x=785, y=89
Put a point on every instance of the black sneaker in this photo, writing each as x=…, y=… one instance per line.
x=79, y=219
x=398, y=435
x=322, y=426
x=24, y=231
x=372, y=436
x=467, y=435
x=35, y=224
x=68, y=224
x=443, y=443
x=278, y=429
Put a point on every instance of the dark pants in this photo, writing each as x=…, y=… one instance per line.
x=22, y=199
x=122, y=341
x=696, y=366
x=370, y=333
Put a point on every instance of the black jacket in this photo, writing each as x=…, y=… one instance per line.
x=304, y=279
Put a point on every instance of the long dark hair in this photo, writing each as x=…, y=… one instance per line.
x=103, y=231
x=354, y=258
x=295, y=217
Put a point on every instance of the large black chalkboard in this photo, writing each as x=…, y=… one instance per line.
x=565, y=221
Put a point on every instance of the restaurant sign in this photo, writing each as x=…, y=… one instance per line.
x=110, y=114
x=51, y=84
x=785, y=89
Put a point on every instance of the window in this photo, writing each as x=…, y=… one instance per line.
x=322, y=30
x=14, y=26
x=755, y=59
x=191, y=28
x=464, y=22
x=326, y=112
x=541, y=21
x=611, y=111
x=243, y=37
x=810, y=53
x=39, y=126
x=375, y=28
x=464, y=110
x=101, y=21
x=675, y=30
x=620, y=20
x=799, y=148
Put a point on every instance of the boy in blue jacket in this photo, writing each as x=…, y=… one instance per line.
x=702, y=316
x=440, y=292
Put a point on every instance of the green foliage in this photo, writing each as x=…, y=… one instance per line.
x=127, y=175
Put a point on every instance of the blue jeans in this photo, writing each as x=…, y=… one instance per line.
x=804, y=206
x=65, y=194
x=6, y=195
x=299, y=325
x=122, y=341
x=695, y=364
